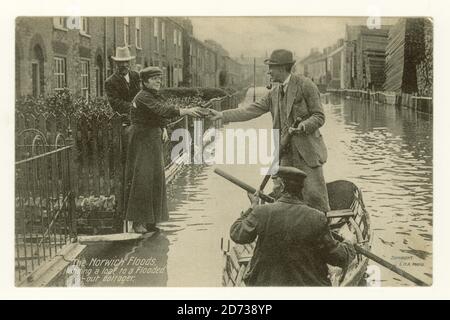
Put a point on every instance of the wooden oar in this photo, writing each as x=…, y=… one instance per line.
x=243, y=185
x=283, y=146
x=358, y=249
x=384, y=263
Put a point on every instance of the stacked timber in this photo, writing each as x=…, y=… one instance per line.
x=370, y=50
x=395, y=53
x=425, y=66
x=374, y=64
x=409, y=57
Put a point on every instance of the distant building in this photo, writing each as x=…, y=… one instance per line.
x=364, y=57
x=254, y=70
x=335, y=65
x=303, y=66
x=53, y=53
x=217, y=47
x=200, y=65
x=315, y=66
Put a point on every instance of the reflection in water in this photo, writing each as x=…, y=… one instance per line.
x=386, y=151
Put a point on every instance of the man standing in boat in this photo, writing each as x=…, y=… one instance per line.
x=294, y=242
x=296, y=98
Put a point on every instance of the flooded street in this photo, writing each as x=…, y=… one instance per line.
x=386, y=151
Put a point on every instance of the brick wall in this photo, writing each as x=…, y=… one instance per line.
x=40, y=40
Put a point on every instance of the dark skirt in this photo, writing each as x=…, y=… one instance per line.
x=145, y=182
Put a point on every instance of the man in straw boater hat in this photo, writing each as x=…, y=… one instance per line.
x=124, y=84
x=295, y=99
x=294, y=243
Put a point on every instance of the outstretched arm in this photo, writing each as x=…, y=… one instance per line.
x=169, y=111
x=244, y=113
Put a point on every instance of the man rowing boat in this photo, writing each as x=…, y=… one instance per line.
x=294, y=243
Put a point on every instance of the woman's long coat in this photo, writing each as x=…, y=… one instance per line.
x=145, y=184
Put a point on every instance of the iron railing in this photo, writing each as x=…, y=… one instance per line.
x=64, y=185
x=43, y=201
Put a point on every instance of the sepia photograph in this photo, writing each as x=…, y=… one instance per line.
x=223, y=151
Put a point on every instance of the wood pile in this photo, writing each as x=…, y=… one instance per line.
x=394, y=57
x=425, y=66
x=409, y=54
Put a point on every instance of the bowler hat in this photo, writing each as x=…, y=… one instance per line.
x=280, y=57
x=149, y=72
x=122, y=54
x=290, y=175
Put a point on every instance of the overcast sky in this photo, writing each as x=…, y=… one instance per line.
x=254, y=36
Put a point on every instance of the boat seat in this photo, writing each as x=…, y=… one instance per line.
x=343, y=213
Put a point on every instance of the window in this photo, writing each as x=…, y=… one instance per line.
x=138, y=33
x=85, y=78
x=165, y=77
x=179, y=45
x=35, y=79
x=175, y=77
x=98, y=82
x=180, y=75
x=60, y=22
x=99, y=76
x=126, y=31
x=60, y=73
x=37, y=71
x=175, y=37
x=163, y=36
x=155, y=28
x=155, y=33
x=84, y=24
x=163, y=31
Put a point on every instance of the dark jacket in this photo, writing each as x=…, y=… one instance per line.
x=303, y=100
x=294, y=245
x=120, y=94
x=150, y=109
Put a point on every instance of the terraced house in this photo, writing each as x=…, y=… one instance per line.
x=53, y=53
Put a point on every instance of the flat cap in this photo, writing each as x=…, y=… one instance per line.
x=149, y=72
x=290, y=174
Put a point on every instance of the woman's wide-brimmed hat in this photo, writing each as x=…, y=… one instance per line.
x=149, y=72
x=280, y=57
x=123, y=54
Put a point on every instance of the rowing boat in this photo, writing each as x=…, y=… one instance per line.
x=348, y=218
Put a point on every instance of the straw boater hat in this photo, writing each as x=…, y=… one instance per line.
x=123, y=54
x=280, y=57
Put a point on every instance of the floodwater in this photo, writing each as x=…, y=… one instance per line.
x=386, y=151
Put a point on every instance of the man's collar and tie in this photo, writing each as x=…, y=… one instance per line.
x=285, y=83
x=284, y=86
x=127, y=78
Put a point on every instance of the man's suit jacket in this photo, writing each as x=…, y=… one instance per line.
x=120, y=94
x=303, y=100
x=294, y=244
